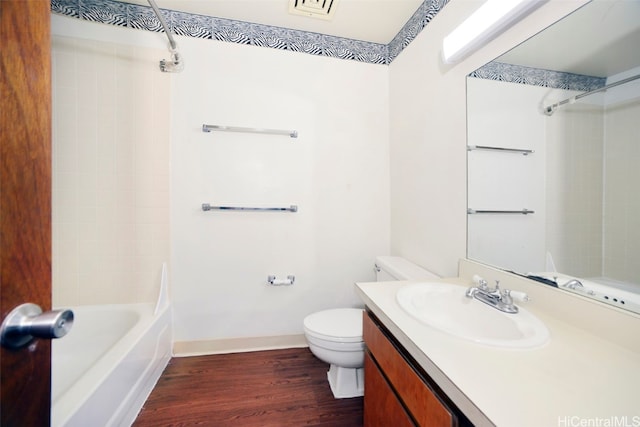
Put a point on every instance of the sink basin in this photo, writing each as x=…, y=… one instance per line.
x=445, y=307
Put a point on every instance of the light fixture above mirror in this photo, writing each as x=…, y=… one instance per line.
x=486, y=23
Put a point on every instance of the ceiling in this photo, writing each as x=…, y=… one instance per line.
x=600, y=39
x=376, y=21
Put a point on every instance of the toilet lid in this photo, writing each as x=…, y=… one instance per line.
x=339, y=324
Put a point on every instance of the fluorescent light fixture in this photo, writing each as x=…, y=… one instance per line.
x=486, y=23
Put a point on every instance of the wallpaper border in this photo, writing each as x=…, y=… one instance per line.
x=205, y=27
x=537, y=77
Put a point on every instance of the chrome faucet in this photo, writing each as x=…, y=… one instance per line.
x=495, y=297
x=576, y=285
x=573, y=284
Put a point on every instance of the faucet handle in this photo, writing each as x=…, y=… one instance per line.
x=497, y=288
x=505, y=296
x=520, y=296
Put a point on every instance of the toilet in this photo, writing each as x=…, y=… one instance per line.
x=335, y=335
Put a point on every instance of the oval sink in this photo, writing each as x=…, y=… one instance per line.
x=445, y=307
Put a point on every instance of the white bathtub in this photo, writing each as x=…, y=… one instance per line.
x=604, y=289
x=105, y=368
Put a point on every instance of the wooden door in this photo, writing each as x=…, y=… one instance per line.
x=25, y=202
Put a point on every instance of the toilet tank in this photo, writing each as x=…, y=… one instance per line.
x=390, y=268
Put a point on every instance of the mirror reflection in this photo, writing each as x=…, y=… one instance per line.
x=554, y=155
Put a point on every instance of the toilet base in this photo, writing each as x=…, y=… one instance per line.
x=346, y=382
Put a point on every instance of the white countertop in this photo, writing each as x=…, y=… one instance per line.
x=577, y=379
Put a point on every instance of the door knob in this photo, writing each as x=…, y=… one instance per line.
x=27, y=321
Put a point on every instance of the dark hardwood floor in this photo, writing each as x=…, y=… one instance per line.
x=266, y=388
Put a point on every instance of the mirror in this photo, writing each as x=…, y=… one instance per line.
x=554, y=155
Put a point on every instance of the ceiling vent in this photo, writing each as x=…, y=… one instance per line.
x=323, y=9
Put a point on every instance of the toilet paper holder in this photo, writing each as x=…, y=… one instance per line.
x=272, y=280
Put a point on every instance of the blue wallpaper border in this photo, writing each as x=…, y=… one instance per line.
x=142, y=17
x=500, y=71
x=205, y=27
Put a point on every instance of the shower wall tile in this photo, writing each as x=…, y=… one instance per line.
x=575, y=138
x=621, y=221
x=111, y=172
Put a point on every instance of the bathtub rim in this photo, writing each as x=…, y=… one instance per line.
x=76, y=396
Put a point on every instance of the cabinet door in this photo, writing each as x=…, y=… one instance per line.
x=421, y=402
x=381, y=406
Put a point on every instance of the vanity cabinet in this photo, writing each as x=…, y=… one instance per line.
x=397, y=392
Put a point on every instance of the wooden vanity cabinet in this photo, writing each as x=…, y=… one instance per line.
x=396, y=390
x=382, y=408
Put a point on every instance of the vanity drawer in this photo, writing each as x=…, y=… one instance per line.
x=417, y=397
x=381, y=406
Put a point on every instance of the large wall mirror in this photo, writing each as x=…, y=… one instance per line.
x=554, y=155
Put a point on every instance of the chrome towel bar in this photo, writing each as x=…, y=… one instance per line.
x=477, y=211
x=208, y=207
x=209, y=128
x=504, y=150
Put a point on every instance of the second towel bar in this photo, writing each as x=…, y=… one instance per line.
x=504, y=150
x=209, y=128
x=208, y=207
x=477, y=211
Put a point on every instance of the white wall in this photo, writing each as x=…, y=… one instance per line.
x=336, y=171
x=506, y=115
x=428, y=136
x=562, y=180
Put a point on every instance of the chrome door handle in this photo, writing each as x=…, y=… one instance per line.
x=27, y=321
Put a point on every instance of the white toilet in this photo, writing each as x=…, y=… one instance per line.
x=335, y=335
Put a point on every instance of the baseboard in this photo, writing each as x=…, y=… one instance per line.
x=237, y=345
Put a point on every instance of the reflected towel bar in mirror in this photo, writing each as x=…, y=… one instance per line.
x=209, y=128
x=505, y=150
x=522, y=211
x=208, y=207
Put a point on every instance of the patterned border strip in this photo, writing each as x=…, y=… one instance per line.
x=205, y=27
x=420, y=19
x=537, y=77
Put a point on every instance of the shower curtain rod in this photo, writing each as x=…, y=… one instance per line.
x=175, y=64
x=552, y=108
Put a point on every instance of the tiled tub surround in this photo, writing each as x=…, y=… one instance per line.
x=110, y=172
x=587, y=373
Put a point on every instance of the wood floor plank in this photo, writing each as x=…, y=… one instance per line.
x=266, y=388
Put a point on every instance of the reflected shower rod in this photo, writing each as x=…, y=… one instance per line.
x=549, y=110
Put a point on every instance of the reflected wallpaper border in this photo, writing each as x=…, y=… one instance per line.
x=537, y=77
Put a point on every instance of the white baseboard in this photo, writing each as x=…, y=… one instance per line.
x=237, y=345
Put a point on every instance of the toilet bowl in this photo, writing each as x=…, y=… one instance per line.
x=335, y=335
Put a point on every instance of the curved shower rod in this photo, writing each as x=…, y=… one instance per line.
x=176, y=64
x=552, y=108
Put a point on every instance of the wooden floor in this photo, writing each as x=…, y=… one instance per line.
x=266, y=388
